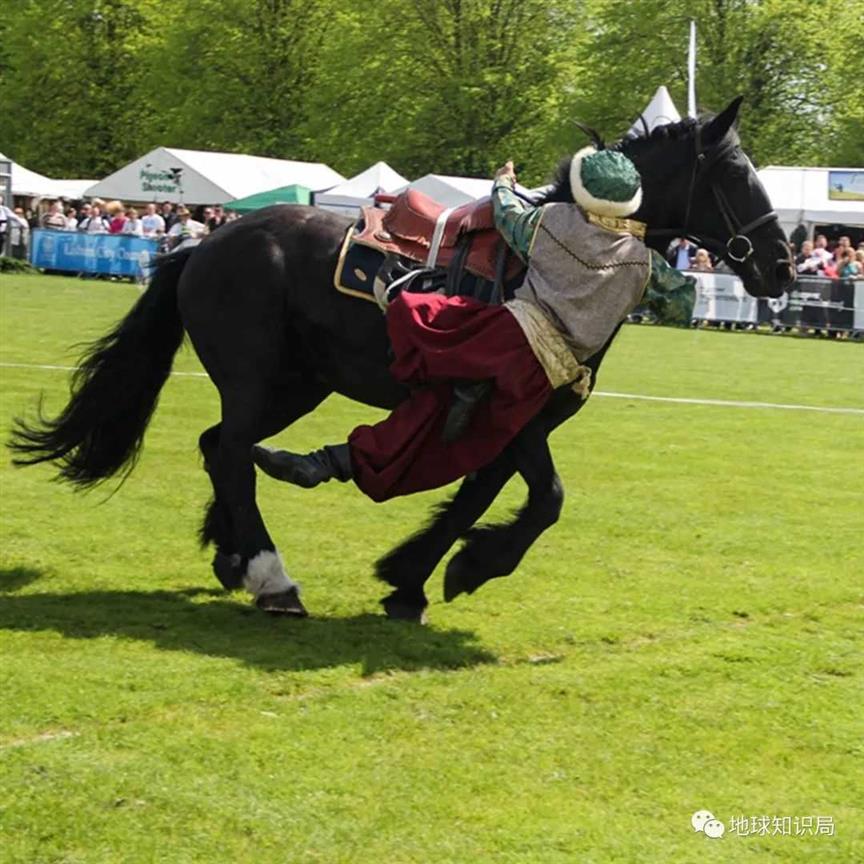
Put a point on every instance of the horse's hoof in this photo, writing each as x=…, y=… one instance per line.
x=228, y=569
x=402, y=609
x=460, y=578
x=285, y=603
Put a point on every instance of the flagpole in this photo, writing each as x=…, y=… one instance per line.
x=691, y=72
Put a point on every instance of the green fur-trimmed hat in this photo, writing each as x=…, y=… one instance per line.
x=605, y=182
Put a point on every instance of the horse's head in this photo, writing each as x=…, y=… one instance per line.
x=697, y=182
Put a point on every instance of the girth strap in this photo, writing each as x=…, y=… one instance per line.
x=437, y=236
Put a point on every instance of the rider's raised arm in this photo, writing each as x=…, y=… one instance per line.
x=515, y=220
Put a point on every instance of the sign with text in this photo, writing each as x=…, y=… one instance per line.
x=159, y=181
x=816, y=303
x=111, y=254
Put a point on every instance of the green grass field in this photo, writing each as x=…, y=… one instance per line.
x=688, y=637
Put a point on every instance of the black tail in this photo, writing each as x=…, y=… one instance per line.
x=114, y=391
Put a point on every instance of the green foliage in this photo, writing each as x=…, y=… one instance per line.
x=15, y=265
x=241, y=74
x=793, y=60
x=453, y=86
x=74, y=90
x=687, y=637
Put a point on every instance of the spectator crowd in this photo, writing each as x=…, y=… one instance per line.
x=841, y=262
x=170, y=224
x=816, y=258
x=173, y=225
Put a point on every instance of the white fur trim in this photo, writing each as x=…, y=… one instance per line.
x=265, y=574
x=595, y=205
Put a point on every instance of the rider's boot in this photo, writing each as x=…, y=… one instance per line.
x=467, y=395
x=306, y=470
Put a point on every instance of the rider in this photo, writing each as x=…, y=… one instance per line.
x=587, y=270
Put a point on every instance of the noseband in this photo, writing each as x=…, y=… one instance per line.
x=739, y=247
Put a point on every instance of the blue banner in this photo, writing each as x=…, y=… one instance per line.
x=112, y=254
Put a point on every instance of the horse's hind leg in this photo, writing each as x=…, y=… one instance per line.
x=245, y=552
x=216, y=527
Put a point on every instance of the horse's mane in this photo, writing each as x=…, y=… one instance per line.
x=634, y=146
x=682, y=130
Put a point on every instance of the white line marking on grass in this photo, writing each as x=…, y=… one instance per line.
x=676, y=400
x=726, y=403
x=50, y=368
x=38, y=739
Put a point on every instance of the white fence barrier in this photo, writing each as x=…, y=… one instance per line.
x=721, y=297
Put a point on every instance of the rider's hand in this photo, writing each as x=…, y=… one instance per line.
x=507, y=171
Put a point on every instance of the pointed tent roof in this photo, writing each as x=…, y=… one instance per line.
x=379, y=177
x=208, y=177
x=659, y=111
x=361, y=189
x=454, y=191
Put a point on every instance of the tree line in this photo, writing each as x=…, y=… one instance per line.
x=452, y=86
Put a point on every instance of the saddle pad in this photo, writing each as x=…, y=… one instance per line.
x=356, y=268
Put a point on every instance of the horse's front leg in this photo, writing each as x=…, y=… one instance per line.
x=411, y=563
x=491, y=551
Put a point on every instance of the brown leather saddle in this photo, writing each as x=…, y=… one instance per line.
x=437, y=237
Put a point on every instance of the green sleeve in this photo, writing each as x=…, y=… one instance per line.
x=670, y=294
x=515, y=220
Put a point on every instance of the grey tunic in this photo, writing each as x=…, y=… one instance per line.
x=585, y=278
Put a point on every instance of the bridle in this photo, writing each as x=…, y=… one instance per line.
x=739, y=246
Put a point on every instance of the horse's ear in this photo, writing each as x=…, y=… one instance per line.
x=722, y=123
x=596, y=140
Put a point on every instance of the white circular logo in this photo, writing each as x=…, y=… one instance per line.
x=714, y=828
x=704, y=821
x=699, y=818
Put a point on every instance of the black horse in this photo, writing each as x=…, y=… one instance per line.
x=258, y=302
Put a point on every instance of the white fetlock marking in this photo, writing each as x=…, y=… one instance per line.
x=265, y=574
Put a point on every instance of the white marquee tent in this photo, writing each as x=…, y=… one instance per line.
x=34, y=185
x=359, y=191
x=454, y=191
x=73, y=189
x=205, y=177
x=800, y=196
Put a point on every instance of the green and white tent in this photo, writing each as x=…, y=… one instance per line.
x=293, y=194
